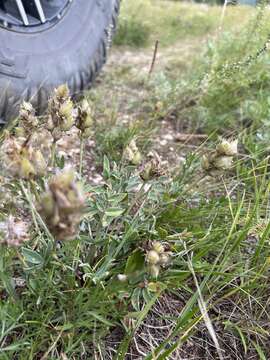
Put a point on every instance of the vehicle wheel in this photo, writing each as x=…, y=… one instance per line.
x=68, y=49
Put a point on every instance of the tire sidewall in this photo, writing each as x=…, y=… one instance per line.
x=64, y=53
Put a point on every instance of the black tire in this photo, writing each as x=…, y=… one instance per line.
x=71, y=51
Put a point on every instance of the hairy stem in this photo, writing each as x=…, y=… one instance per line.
x=35, y=215
x=53, y=153
x=81, y=154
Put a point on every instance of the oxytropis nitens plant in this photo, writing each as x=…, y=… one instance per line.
x=62, y=205
x=151, y=167
x=222, y=158
x=28, y=122
x=61, y=112
x=60, y=115
x=131, y=153
x=20, y=159
x=149, y=170
x=157, y=256
x=24, y=152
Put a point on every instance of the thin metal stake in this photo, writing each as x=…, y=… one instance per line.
x=153, y=60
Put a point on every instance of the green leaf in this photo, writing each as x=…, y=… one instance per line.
x=146, y=295
x=65, y=327
x=106, y=167
x=117, y=198
x=163, y=233
x=259, y=351
x=135, y=262
x=15, y=346
x=133, y=183
x=106, y=221
x=135, y=299
x=100, y=318
x=114, y=212
x=8, y=283
x=60, y=162
x=242, y=336
x=32, y=256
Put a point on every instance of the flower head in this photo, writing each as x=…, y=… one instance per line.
x=205, y=163
x=152, y=167
x=154, y=270
x=158, y=247
x=27, y=120
x=223, y=162
x=132, y=154
x=62, y=204
x=20, y=160
x=39, y=163
x=152, y=257
x=156, y=257
x=61, y=110
x=84, y=119
x=227, y=147
x=222, y=158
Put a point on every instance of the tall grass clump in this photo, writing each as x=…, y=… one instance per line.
x=228, y=85
x=172, y=22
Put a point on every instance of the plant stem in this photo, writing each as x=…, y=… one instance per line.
x=81, y=154
x=142, y=192
x=34, y=190
x=30, y=202
x=53, y=153
x=35, y=213
x=21, y=258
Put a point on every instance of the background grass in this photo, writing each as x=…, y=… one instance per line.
x=145, y=21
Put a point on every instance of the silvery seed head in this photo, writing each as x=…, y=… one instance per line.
x=227, y=147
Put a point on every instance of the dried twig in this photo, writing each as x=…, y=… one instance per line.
x=189, y=137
